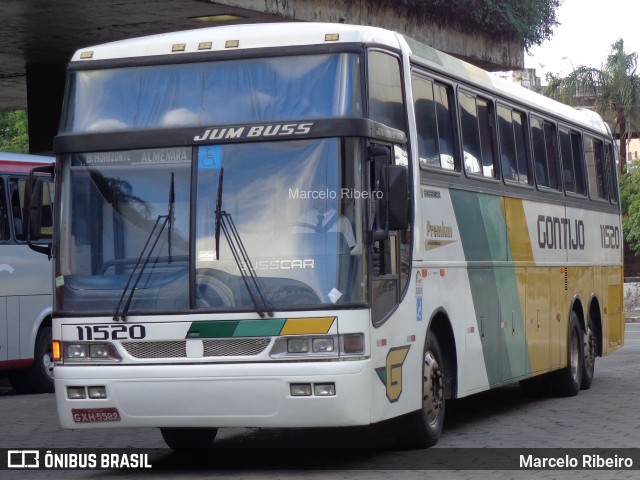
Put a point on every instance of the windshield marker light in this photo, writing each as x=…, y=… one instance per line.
x=332, y=37
x=232, y=44
x=205, y=45
x=86, y=55
x=178, y=47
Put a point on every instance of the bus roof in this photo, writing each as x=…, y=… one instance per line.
x=21, y=162
x=248, y=36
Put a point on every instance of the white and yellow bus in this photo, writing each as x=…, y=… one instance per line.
x=313, y=225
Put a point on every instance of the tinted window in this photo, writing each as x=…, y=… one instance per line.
x=477, y=137
x=571, y=154
x=385, y=90
x=4, y=214
x=545, y=153
x=594, y=155
x=434, y=124
x=513, y=150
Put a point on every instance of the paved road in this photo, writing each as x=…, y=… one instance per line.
x=607, y=415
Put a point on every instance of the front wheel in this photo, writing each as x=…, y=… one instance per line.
x=186, y=438
x=40, y=375
x=422, y=428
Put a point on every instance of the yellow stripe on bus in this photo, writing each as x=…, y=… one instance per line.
x=307, y=326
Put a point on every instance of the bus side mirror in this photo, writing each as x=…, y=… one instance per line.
x=37, y=215
x=397, y=190
x=393, y=208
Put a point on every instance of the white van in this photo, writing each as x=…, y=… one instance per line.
x=25, y=282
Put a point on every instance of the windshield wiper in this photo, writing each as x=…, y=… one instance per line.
x=168, y=219
x=225, y=222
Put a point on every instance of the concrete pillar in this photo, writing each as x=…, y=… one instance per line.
x=45, y=89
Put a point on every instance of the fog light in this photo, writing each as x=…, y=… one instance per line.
x=353, y=343
x=76, y=393
x=324, y=389
x=99, y=350
x=323, y=344
x=97, y=392
x=300, y=389
x=76, y=351
x=298, y=345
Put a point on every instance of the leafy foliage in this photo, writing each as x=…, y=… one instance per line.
x=614, y=91
x=531, y=21
x=630, y=198
x=14, y=131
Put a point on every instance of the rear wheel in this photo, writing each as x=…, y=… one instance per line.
x=185, y=438
x=590, y=353
x=422, y=428
x=566, y=382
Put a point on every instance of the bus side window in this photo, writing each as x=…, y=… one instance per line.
x=434, y=124
x=545, y=153
x=594, y=154
x=4, y=214
x=513, y=147
x=571, y=154
x=16, y=192
x=477, y=136
x=385, y=90
x=610, y=163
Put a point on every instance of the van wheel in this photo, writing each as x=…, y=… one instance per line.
x=186, y=438
x=422, y=428
x=40, y=375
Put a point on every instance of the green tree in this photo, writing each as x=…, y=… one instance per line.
x=530, y=21
x=630, y=203
x=614, y=91
x=14, y=131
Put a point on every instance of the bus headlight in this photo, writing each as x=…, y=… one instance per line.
x=319, y=346
x=298, y=345
x=76, y=351
x=323, y=344
x=86, y=352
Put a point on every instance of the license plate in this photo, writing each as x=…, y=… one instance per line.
x=91, y=415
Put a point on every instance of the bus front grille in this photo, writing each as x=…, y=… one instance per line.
x=228, y=347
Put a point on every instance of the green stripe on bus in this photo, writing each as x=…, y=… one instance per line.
x=236, y=328
x=493, y=284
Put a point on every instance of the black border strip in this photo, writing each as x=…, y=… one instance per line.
x=157, y=138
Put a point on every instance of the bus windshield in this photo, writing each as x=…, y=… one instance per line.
x=292, y=203
x=213, y=93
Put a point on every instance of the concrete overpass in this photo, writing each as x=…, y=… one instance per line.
x=39, y=37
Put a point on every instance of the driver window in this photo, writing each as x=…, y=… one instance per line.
x=4, y=214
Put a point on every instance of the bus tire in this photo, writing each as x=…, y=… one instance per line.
x=422, y=428
x=40, y=375
x=566, y=382
x=186, y=438
x=590, y=353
